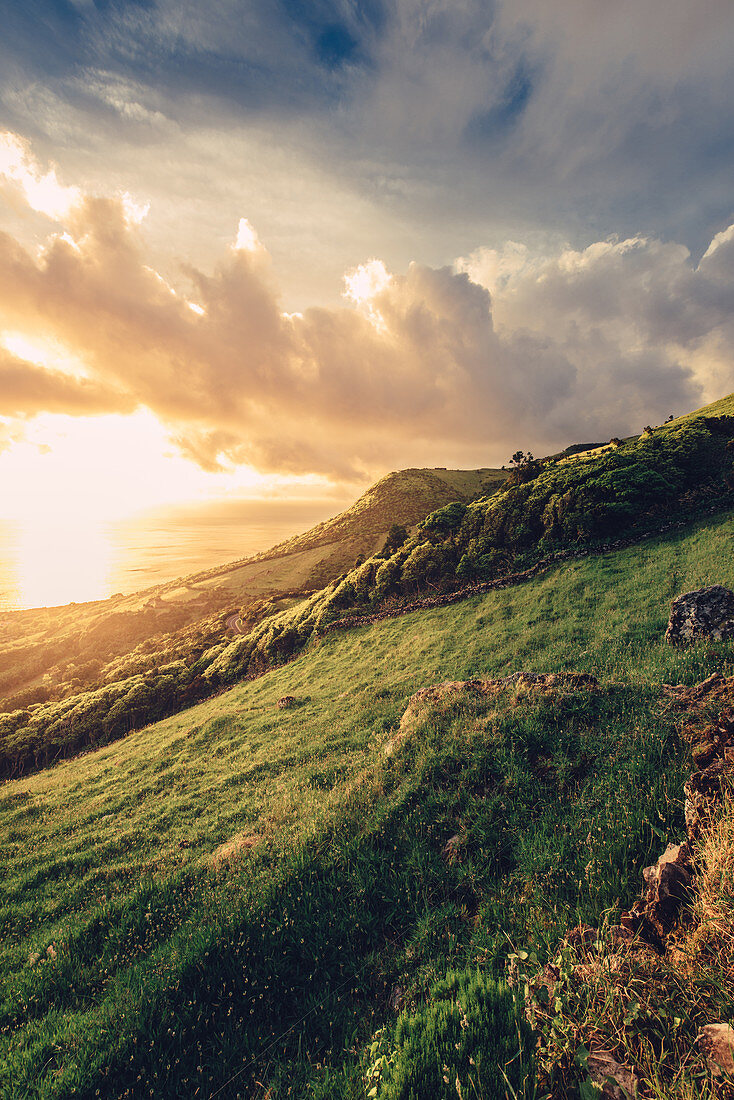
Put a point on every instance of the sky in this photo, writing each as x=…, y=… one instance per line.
x=278, y=248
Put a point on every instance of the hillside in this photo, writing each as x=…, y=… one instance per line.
x=54, y=653
x=544, y=510
x=305, y=869
x=235, y=902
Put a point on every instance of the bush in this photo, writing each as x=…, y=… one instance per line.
x=396, y=536
x=444, y=521
x=461, y=1043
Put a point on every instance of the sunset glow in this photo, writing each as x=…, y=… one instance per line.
x=61, y=558
x=350, y=264
x=366, y=409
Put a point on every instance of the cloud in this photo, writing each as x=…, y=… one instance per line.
x=509, y=347
x=42, y=190
x=27, y=389
x=469, y=116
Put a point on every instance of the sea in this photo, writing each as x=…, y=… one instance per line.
x=50, y=564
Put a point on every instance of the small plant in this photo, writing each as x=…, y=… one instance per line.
x=467, y=1041
x=380, y=1064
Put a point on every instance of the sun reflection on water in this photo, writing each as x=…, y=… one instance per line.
x=58, y=560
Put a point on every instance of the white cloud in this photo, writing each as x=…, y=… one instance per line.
x=427, y=366
x=247, y=239
x=42, y=190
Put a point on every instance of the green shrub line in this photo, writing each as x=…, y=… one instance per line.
x=508, y=580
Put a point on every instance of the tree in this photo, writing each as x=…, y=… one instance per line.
x=520, y=460
x=396, y=536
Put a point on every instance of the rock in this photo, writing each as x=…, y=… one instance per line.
x=704, y=792
x=705, y=687
x=615, y=1081
x=286, y=701
x=717, y=1043
x=667, y=886
x=704, y=613
x=704, y=752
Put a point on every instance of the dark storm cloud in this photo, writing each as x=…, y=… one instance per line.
x=564, y=116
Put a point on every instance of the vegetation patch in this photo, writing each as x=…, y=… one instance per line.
x=507, y=821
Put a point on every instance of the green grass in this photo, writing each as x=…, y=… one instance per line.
x=172, y=974
x=723, y=407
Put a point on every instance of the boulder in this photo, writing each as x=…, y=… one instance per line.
x=286, y=701
x=717, y=1043
x=706, y=613
x=667, y=886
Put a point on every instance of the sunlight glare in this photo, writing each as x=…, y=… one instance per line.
x=366, y=281
x=69, y=480
x=42, y=351
x=247, y=238
x=43, y=192
x=62, y=558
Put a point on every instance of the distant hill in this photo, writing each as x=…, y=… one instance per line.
x=51, y=653
x=404, y=497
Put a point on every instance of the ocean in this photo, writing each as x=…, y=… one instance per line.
x=45, y=565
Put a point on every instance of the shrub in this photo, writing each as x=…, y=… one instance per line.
x=427, y=564
x=461, y=1043
x=396, y=536
x=444, y=521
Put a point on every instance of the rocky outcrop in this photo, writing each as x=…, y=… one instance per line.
x=704, y=793
x=706, y=613
x=712, y=746
x=692, y=699
x=625, y=956
x=439, y=698
x=667, y=887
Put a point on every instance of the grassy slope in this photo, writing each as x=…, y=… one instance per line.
x=171, y=975
x=723, y=407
